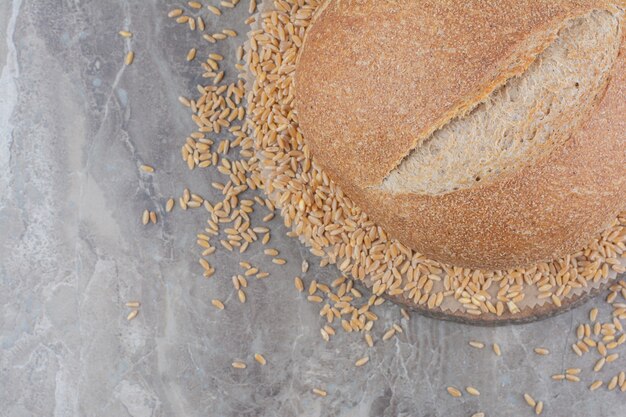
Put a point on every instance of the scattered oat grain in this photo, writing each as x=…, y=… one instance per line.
x=259, y=358
x=454, y=392
x=319, y=392
x=130, y=57
x=362, y=361
x=595, y=385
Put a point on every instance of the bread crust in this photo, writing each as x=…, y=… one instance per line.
x=537, y=213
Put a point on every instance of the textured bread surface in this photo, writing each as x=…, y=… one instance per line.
x=378, y=83
x=522, y=120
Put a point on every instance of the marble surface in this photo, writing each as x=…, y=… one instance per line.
x=75, y=124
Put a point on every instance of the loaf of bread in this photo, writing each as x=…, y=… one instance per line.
x=487, y=133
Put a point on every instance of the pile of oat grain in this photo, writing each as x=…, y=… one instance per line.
x=249, y=133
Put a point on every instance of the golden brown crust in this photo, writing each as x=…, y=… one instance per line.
x=546, y=210
x=552, y=208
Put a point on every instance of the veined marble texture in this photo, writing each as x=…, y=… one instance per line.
x=75, y=125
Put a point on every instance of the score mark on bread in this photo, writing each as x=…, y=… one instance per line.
x=520, y=121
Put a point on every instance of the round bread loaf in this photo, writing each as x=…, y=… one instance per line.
x=489, y=135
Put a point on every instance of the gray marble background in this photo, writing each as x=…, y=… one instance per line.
x=75, y=124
